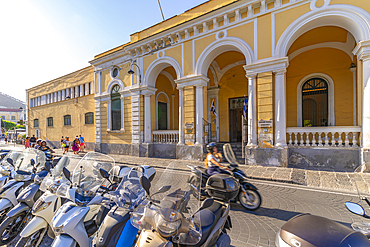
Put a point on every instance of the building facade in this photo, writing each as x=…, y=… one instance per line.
x=302, y=65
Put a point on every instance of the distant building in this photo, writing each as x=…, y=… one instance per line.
x=12, y=109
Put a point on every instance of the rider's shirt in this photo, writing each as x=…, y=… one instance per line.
x=210, y=157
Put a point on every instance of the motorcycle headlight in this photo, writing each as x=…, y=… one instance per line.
x=53, y=188
x=19, y=177
x=40, y=205
x=166, y=228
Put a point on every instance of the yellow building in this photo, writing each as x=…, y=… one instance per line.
x=302, y=65
x=63, y=107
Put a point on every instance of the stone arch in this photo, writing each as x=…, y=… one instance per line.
x=157, y=66
x=220, y=46
x=114, y=82
x=355, y=20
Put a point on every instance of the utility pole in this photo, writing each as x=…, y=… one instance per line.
x=159, y=4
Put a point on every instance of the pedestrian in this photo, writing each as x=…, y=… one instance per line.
x=76, y=145
x=61, y=142
x=38, y=143
x=66, y=144
x=82, y=143
x=6, y=139
x=33, y=141
x=27, y=142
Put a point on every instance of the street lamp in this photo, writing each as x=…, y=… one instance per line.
x=131, y=72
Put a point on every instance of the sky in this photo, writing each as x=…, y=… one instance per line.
x=41, y=40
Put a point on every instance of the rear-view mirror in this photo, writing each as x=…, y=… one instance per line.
x=145, y=183
x=48, y=167
x=32, y=162
x=67, y=174
x=355, y=208
x=164, y=189
x=10, y=161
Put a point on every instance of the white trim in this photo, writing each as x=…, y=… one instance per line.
x=273, y=32
x=173, y=111
x=114, y=82
x=331, y=110
x=354, y=72
x=157, y=66
x=353, y=19
x=255, y=39
x=218, y=47
x=168, y=109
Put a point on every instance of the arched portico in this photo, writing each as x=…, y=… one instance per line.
x=157, y=66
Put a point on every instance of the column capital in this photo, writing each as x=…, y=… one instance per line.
x=280, y=71
x=192, y=80
x=353, y=70
x=250, y=74
x=148, y=90
x=267, y=66
x=362, y=50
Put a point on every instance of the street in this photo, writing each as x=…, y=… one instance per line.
x=280, y=202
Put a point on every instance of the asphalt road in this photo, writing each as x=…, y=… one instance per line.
x=280, y=202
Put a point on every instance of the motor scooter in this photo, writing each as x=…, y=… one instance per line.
x=163, y=224
x=7, y=167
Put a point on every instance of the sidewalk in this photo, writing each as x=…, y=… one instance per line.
x=341, y=181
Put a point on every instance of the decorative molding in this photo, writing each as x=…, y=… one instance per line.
x=266, y=66
x=362, y=50
x=157, y=66
x=194, y=80
x=331, y=110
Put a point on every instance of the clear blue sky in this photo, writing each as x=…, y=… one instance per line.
x=45, y=39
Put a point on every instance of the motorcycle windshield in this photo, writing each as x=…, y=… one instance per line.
x=56, y=176
x=129, y=192
x=24, y=160
x=86, y=175
x=173, y=211
x=13, y=155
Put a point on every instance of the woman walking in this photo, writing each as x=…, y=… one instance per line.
x=27, y=142
x=76, y=145
x=66, y=144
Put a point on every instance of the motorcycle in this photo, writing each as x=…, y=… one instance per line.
x=163, y=221
x=116, y=229
x=23, y=176
x=306, y=230
x=3, y=153
x=47, y=205
x=7, y=167
x=79, y=218
x=248, y=195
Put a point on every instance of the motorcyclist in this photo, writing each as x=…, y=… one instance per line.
x=43, y=147
x=213, y=160
x=38, y=143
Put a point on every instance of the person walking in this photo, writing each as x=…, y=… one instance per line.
x=61, y=142
x=76, y=145
x=27, y=142
x=82, y=143
x=6, y=139
x=66, y=144
x=33, y=141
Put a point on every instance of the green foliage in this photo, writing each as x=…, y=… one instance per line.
x=8, y=125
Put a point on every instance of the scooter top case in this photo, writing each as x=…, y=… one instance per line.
x=307, y=230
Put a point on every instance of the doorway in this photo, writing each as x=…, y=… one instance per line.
x=235, y=119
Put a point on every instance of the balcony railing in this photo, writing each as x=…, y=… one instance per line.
x=344, y=136
x=165, y=136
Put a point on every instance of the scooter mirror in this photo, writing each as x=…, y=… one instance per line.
x=67, y=174
x=207, y=203
x=355, y=208
x=145, y=183
x=164, y=189
x=10, y=161
x=48, y=167
x=32, y=162
x=104, y=173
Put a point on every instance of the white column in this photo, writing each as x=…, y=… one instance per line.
x=77, y=92
x=354, y=71
x=109, y=115
x=63, y=95
x=173, y=111
x=122, y=113
x=81, y=90
x=181, y=116
x=135, y=111
x=47, y=99
x=252, y=110
x=147, y=120
x=72, y=92
x=366, y=103
x=87, y=89
x=59, y=95
x=97, y=122
x=199, y=114
x=280, y=117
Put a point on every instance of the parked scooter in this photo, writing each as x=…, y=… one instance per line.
x=162, y=224
x=7, y=169
x=47, y=205
x=248, y=195
x=3, y=153
x=116, y=229
x=28, y=163
x=76, y=220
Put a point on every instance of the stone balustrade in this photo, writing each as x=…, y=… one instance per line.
x=165, y=136
x=331, y=136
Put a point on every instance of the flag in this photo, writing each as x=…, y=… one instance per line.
x=213, y=108
x=245, y=108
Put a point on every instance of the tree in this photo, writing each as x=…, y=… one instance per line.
x=8, y=125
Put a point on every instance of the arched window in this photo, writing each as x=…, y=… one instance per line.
x=163, y=111
x=116, y=108
x=67, y=120
x=315, y=103
x=89, y=118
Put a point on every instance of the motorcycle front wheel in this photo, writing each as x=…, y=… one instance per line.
x=33, y=240
x=250, y=199
x=11, y=227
